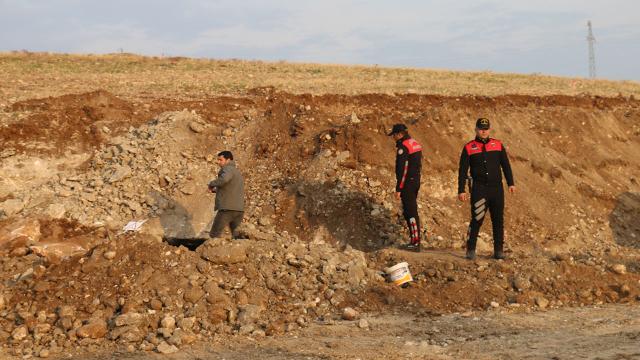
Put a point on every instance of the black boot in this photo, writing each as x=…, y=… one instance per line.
x=471, y=254
x=415, y=247
x=499, y=255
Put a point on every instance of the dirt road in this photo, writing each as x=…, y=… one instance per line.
x=610, y=332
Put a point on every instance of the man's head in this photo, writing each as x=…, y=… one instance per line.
x=398, y=131
x=482, y=128
x=224, y=157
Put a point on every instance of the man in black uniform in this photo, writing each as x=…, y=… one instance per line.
x=408, y=166
x=488, y=159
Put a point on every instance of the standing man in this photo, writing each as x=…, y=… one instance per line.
x=229, y=190
x=408, y=167
x=488, y=159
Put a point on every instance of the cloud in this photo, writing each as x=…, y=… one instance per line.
x=491, y=34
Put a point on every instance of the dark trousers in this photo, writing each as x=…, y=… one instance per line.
x=225, y=218
x=409, y=197
x=486, y=199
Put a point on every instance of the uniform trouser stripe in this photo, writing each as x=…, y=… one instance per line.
x=486, y=199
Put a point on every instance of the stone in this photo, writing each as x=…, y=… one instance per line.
x=585, y=294
x=542, y=302
x=227, y=132
x=264, y=221
x=349, y=314
x=247, y=329
x=127, y=319
x=95, y=329
x=521, y=283
x=196, y=127
x=2, y=302
x=193, y=294
x=20, y=233
x=60, y=250
x=19, y=252
x=354, y=118
x=188, y=189
x=166, y=333
x=164, y=348
x=625, y=290
x=619, y=269
x=223, y=254
x=109, y=255
x=7, y=153
x=363, y=324
x=66, y=323
x=168, y=322
x=56, y=211
x=19, y=333
x=215, y=295
x=181, y=337
x=120, y=173
x=127, y=333
x=41, y=330
x=155, y=304
x=66, y=311
x=11, y=207
x=44, y=353
x=187, y=323
x=249, y=314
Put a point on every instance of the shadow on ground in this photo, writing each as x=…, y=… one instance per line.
x=176, y=223
x=625, y=220
x=350, y=217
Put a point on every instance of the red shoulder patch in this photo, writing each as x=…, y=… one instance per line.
x=412, y=146
x=473, y=147
x=494, y=145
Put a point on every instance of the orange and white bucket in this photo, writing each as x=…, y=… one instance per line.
x=399, y=273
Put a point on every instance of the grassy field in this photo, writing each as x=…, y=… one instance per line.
x=26, y=75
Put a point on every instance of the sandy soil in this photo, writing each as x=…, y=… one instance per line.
x=608, y=332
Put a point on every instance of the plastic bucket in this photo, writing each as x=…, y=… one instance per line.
x=399, y=273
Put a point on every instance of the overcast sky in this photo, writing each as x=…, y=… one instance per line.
x=541, y=36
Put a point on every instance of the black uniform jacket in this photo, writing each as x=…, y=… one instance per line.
x=485, y=158
x=408, y=162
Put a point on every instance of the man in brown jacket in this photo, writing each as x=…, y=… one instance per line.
x=229, y=190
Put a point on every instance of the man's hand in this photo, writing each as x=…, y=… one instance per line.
x=512, y=189
x=397, y=195
x=463, y=197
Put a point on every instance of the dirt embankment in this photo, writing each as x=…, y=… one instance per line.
x=321, y=218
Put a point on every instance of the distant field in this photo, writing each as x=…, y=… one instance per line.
x=26, y=75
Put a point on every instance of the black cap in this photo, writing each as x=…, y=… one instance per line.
x=483, y=124
x=397, y=128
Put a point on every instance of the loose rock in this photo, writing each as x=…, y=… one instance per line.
x=349, y=314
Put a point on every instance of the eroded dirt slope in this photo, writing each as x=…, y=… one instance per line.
x=321, y=219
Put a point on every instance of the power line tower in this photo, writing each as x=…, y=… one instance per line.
x=592, y=54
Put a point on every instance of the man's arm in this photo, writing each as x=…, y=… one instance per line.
x=506, y=166
x=463, y=170
x=402, y=166
x=223, y=178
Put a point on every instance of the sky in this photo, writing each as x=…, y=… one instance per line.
x=541, y=36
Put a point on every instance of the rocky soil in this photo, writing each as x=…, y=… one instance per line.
x=321, y=222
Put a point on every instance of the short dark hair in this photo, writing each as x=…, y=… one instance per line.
x=226, y=154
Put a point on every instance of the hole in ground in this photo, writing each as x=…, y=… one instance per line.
x=189, y=243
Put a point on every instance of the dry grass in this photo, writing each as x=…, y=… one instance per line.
x=31, y=75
